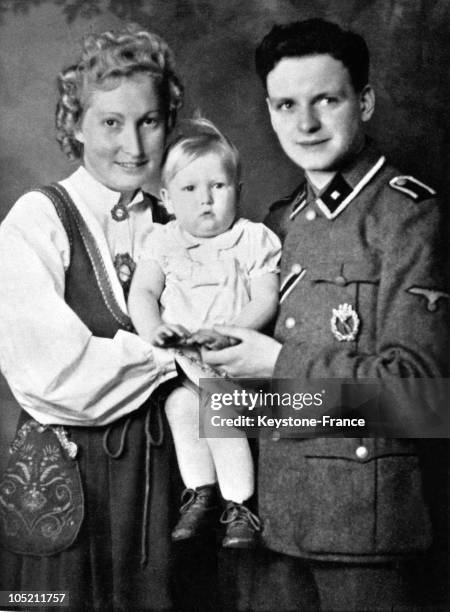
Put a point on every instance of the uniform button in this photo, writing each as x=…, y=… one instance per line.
x=276, y=436
x=310, y=215
x=361, y=452
x=296, y=268
x=340, y=280
x=289, y=323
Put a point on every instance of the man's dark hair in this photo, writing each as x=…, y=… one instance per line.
x=314, y=37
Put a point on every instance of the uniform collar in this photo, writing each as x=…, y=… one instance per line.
x=361, y=165
x=349, y=182
x=99, y=198
x=224, y=241
x=300, y=198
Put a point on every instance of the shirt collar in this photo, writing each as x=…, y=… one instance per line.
x=223, y=241
x=99, y=197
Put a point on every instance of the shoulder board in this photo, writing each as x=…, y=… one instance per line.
x=286, y=201
x=411, y=187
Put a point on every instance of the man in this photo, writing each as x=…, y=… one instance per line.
x=362, y=297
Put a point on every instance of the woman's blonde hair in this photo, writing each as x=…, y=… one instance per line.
x=198, y=137
x=112, y=55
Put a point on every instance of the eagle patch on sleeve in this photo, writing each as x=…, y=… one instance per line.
x=431, y=296
x=412, y=187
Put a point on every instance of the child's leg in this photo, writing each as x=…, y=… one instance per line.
x=193, y=454
x=234, y=467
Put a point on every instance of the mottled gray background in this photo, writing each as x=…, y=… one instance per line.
x=214, y=44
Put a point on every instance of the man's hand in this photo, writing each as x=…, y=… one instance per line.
x=211, y=339
x=255, y=355
x=167, y=335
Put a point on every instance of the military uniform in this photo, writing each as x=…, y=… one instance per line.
x=370, y=243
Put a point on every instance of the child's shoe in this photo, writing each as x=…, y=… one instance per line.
x=199, y=512
x=242, y=526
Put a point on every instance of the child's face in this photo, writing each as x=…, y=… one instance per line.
x=203, y=196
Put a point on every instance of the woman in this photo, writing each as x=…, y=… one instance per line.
x=68, y=351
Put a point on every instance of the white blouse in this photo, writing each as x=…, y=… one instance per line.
x=57, y=370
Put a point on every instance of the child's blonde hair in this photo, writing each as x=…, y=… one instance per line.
x=199, y=137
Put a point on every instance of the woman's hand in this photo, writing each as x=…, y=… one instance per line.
x=255, y=355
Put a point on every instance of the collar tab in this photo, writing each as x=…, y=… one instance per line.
x=336, y=192
x=338, y=195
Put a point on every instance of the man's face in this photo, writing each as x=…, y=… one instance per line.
x=317, y=114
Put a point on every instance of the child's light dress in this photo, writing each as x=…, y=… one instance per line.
x=208, y=282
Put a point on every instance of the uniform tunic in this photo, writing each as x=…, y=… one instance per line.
x=373, y=240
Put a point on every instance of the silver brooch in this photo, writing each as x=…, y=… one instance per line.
x=344, y=323
x=119, y=212
x=125, y=267
x=70, y=448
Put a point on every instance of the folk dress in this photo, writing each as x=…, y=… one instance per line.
x=71, y=359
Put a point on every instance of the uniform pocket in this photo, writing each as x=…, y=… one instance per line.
x=353, y=283
x=353, y=507
x=345, y=273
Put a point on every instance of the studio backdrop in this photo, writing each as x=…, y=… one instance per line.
x=214, y=44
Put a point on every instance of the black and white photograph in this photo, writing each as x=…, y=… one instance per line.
x=188, y=425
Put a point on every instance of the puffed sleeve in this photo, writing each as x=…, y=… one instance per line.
x=58, y=371
x=155, y=244
x=264, y=250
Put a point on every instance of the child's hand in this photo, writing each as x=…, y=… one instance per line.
x=168, y=334
x=211, y=340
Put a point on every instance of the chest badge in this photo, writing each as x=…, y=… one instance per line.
x=345, y=323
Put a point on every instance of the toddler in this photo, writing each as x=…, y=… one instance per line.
x=207, y=267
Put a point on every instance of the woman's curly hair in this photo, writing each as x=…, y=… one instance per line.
x=112, y=55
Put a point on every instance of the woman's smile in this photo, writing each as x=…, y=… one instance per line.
x=132, y=167
x=123, y=133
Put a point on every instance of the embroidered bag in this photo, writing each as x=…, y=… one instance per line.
x=41, y=496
